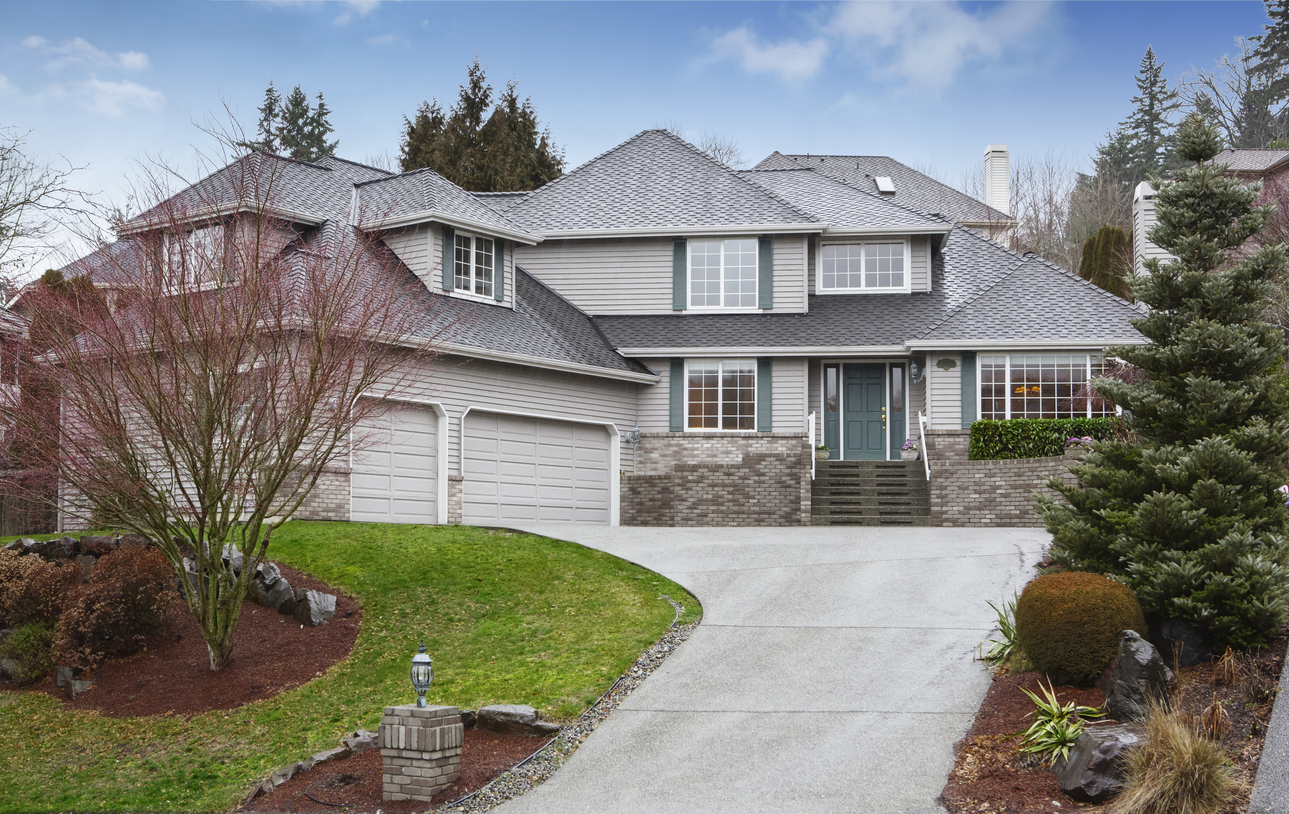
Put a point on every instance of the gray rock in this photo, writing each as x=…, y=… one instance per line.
x=339, y=753
x=281, y=598
x=1186, y=639
x=468, y=718
x=1093, y=771
x=281, y=776
x=190, y=570
x=98, y=545
x=267, y=573
x=63, y=676
x=86, y=562
x=233, y=556
x=1139, y=675
x=9, y=669
x=362, y=740
x=79, y=685
x=314, y=607
x=513, y=719
x=257, y=593
x=22, y=545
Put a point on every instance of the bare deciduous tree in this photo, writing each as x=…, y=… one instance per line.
x=32, y=195
x=231, y=356
x=1236, y=98
x=721, y=148
x=1040, y=197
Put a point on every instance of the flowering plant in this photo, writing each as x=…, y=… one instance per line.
x=909, y=444
x=1074, y=441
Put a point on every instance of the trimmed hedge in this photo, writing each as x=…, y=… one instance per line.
x=1032, y=437
x=1069, y=624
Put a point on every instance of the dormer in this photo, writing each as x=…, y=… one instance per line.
x=456, y=244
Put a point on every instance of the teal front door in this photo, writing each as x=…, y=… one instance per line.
x=864, y=397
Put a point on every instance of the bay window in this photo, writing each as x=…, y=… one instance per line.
x=849, y=267
x=722, y=273
x=473, y=264
x=721, y=395
x=1034, y=385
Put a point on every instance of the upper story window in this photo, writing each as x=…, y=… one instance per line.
x=864, y=267
x=722, y=273
x=1033, y=385
x=722, y=394
x=197, y=257
x=473, y=264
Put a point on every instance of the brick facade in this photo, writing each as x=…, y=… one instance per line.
x=710, y=479
x=996, y=494
x=420, y=748
x=456, y=485
x=329, y=498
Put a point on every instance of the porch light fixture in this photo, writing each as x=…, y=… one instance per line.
x=422, y=674
x=633, y=437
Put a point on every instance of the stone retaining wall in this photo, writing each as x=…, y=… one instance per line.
x=711, y=479
x=986, y=493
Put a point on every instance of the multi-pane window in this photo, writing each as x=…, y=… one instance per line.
x=859, y=266
x=722, y=273
x=196, y=257
x=1033, y=385
x=722, y=395
x=474, y=265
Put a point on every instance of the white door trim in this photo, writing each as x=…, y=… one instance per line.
x=441, y=453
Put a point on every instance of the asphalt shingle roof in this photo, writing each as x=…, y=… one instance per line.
x=652, y=180
x=913, y=189
x=502, y=201
x=837, y=203
x=1241, y=160
x=980, y=290
x=421, y=191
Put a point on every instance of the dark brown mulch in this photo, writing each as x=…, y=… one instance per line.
x=356, y=781
x=271, y=653
x=990, y=775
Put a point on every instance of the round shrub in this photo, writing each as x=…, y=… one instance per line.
x=1069, y=624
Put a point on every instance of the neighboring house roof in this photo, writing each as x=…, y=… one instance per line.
x=653, y=181
x=1251, y=161
x=843, y=207
x=1036, y=302
x=422, y=195
x=913, y=189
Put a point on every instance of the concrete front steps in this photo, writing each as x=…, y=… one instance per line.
x=870, y=493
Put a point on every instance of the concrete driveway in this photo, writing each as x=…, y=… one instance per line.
x=832, y=671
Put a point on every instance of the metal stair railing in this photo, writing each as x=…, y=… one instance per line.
x=926, y=458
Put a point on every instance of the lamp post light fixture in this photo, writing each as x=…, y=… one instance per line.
x=422, y=674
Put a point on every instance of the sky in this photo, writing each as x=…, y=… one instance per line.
x=107, y=86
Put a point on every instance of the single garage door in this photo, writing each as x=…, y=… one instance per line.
x=518, y=468
x=394, y=479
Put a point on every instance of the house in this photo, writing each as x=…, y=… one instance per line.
x=655, y=338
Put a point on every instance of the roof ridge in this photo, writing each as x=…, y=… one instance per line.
x=391, y=177
x=824, y=176
x=357, y=164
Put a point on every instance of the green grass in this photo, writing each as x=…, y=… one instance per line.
x=508, y=618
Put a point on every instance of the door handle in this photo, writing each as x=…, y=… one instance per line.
x=883, y=418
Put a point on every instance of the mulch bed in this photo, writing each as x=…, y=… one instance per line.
x=356, y=781
x=990, y=774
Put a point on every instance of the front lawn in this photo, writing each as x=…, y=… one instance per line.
x=508, y=618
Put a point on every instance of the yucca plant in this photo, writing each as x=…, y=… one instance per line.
x=1056, y=726
x=1000, y=651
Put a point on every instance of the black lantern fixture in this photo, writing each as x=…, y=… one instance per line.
x=422, y=674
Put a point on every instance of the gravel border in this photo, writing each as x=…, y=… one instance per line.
x=536, y=769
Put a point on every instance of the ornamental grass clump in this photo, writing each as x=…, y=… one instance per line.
x=1176, y=770
x=1068, y=624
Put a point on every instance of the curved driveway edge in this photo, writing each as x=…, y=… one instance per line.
x=833, y=670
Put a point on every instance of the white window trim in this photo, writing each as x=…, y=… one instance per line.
x=1007, y=387
x=689, y=277
x=907, y=288
x=468, y=293
x=755, y=392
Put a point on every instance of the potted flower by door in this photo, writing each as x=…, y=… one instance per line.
x=909, y=452
x=821, y=452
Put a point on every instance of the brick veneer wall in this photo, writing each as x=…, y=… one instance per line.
x=986, y=493
x=456, y=486
x=329, y=498
x=709, y=479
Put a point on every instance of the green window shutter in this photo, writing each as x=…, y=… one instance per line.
x=765, y=272
x=764, y=398
x=679, y=267
x=677, y=395
x=449, y=254
x=499, y=270
x=970, y=393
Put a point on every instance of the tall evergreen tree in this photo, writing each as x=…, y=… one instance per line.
x=499, y=151
x=1103, y=263
x=292, y=127
x=270, y=114
x=1141, y=145
x=1271, y=56
x=1190, y=514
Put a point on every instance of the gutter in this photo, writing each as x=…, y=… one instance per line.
x=439, y=216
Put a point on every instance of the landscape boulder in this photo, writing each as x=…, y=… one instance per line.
x=23, y=545
x=98, y=545
x=281, y=598
x=233, y=556
x=339, y=753
x=1139, y=675
x=468, y=718
x=361, y=740
x=1190, y=644
x=10, y=669
x=514, y=719
x=314, y=608
x=1094, y=770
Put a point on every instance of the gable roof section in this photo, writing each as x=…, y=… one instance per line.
x=845, y=208
x=653, y=182
x=1251, y=161
x=978, y=287
x=423, y=195
x=913, y=189
x=503, y=202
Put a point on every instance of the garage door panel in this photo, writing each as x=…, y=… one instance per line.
x=395, y=479
x=538, y=470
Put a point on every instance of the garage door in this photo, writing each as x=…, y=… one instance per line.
x=534, y=469
x=395, y=479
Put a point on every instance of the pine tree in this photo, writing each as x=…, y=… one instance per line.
x=270, y=113
x=1103, y=260
x=294, y=128
x=1190, y=514
x=1271, y=56
x=500, y=151
x=1140, y=147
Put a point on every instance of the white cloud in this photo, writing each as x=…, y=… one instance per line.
x=114, y=98
x=6, y=87
x=357, y=9
x=78, y=51
x=790, y=60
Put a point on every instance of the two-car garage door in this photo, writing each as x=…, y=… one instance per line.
x=515, y=468
x=535, y=469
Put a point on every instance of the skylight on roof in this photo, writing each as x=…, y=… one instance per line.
x=884, y=184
